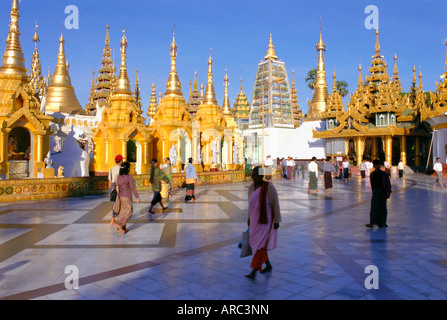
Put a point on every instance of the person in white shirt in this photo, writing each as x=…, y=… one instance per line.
x=346, y=168
x=269, y=167
x=400, y=167
x=290, y=164
x=438, y=170
x=312, y=167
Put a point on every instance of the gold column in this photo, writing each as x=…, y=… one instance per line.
x=124, y=149
x=388, y=148
x=403, y=149
x=107, y=152
x=359, y=149
x=417, y=152
x=374, y=148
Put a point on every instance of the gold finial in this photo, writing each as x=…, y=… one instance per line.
x=321, y=46
x=210, y=95
x=226, y=108
x=271, y=55
x=13, y=59
x=123, y=83
x=360, y=82
x=107, y=34
x=195, y=80
x=36, y=37
x=414, y=75
x=334, y=85
x=420, y=79
x=377, y=42
x=242, y=87
x=173, y=84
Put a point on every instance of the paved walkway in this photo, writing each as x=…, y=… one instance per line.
x=190, y=251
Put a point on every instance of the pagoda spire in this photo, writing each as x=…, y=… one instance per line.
x=271, y=55
x=360, y=81
x=395, y=78
x=37, y=82
x=137, y=93
x=61, y=95
x=319, y=99
x=13, y=59
x=210, y=95
x=153, y=105
x=173, y=84
x=226, y=107
x=123, y=83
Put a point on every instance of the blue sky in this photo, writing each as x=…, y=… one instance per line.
x=238, y=33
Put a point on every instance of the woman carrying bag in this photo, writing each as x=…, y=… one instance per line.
x=123, y=206
x=263, y=221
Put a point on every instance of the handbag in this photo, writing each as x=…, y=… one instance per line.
x=113, y=195
x=245, y=249
x=190, y=181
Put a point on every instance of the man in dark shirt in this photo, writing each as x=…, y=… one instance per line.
x=381, y=189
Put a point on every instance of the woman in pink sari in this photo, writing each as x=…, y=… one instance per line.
x=263, y=220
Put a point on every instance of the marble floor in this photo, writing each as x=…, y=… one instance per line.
x=190, y=251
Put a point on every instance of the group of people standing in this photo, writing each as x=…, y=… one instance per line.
x=123, y=183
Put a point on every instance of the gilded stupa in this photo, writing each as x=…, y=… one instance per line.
x=271, y=104
x=61, y=95
x=122, y=129
x=241, y=109
x=297, y=113
x=101, y=91
x=172, y=120
x=20, y=117
x=320, y=95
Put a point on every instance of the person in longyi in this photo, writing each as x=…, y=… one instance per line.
x=264, y=217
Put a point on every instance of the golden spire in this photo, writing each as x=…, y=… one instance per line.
x=334, y=85
x=226, y=108
x=61, y=95
x=420, y=80
x=319, y=99
x=36, y=82
x=173, y=85
x=242, y=86
x=210, y=95
x=271, y=55
x=360, y=82
x=377, y=42
x=123, y=83
x=153, y=105
x=195, y=80
x=13, y=59
x=137, y=93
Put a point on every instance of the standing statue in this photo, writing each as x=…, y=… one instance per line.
x=48, y=162
x=214, y=149
x=235, y=153
x=173, y=155
x=199, y=156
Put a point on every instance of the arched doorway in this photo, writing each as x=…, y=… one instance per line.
x=19, y=153
x=134, y=156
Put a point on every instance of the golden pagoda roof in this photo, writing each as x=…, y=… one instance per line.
x=271, y=54
x=123, y=82
x=320, y=96
x=173, y=85
x=13, y=60
x=61, y=95
x=210, y=95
